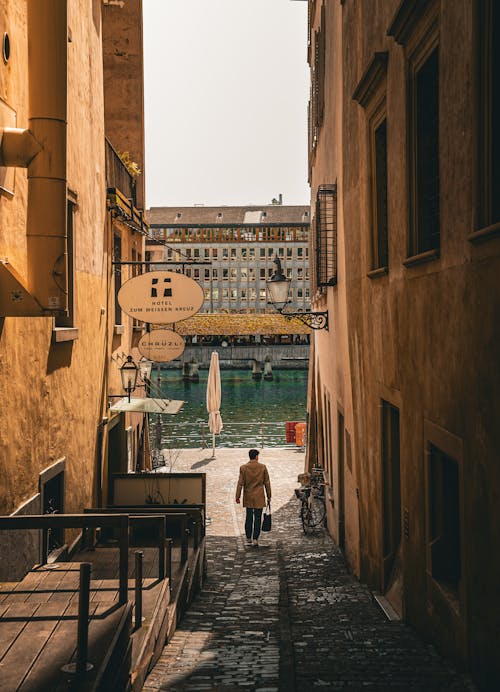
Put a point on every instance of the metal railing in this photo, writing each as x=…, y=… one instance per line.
x=136, y=519
x=117, y=175
x=46, y=522
x=182, y=435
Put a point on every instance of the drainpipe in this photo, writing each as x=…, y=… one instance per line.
x=47, y=204
x=17, y=147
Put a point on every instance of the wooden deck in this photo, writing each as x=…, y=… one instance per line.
x=38, y=621
x=38, y=626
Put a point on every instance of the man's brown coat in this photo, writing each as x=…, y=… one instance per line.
x=253, y=478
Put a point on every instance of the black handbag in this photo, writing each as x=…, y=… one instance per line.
x=266, y=519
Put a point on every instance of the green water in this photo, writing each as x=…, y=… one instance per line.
x=252, y=412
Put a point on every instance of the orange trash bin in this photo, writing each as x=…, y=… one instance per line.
x=300, y=434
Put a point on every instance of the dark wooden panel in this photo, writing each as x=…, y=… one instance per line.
x=26, y=648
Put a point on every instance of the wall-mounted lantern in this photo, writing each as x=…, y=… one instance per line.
x=278, y=287
x=128, y=373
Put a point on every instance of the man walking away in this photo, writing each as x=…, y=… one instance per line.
x=254, y=477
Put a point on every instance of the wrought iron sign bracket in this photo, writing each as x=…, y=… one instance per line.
x=314, y=320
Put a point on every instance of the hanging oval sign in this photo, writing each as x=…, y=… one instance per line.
x=160, y=297
x=161, y=345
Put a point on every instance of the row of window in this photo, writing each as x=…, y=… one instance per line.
x=243, y=294
x=244, y=273
x=232, y=234
x=425, y=91
x=236, y=253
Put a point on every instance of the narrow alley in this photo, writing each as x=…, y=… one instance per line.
x=234, y=224
x=286, y=615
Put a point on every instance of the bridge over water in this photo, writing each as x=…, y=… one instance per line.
x=286, y=356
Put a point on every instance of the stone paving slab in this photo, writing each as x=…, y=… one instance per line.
x=286, y=615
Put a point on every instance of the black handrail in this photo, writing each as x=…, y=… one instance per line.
x=77, y=521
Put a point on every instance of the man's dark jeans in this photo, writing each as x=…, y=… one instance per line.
x=253, y=522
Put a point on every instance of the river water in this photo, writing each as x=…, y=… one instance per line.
x=253, y=413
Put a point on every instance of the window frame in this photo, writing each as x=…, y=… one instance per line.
x=416, y=27
x=316, y=107
x=418, y=243
x=371, y=94
x=64, y=326
x=485, y=224
x=379, y=236
x=391, y=498
x=452, y=446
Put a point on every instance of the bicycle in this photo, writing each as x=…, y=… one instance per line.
x=312, y=508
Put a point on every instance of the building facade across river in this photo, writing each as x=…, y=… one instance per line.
x=230, y=251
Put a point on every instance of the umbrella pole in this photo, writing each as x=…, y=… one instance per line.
x=213, y=444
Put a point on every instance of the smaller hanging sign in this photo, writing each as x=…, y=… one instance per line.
x=161, y=345
x=160, y=297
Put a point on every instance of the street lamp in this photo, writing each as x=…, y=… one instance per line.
x=128, y=373
x=278, y=287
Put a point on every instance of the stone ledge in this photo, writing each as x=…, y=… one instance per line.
x=60, y=334
x=481, y=234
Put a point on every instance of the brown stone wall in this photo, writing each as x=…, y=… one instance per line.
x=332, y=364
x=423, y=338
x=123, y=82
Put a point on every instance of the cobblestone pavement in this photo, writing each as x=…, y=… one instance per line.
x=286, y=615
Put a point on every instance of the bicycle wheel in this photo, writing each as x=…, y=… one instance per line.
x=318, y=510
x=305, y=518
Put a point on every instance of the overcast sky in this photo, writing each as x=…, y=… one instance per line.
x=226, y=89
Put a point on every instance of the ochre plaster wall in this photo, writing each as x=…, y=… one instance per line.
x=51, y=392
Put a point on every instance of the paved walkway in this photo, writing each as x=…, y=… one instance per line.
x=287, y=615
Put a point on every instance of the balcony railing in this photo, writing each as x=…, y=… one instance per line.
x=117, y=175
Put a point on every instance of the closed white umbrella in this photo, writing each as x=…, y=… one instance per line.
x=213, y=399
